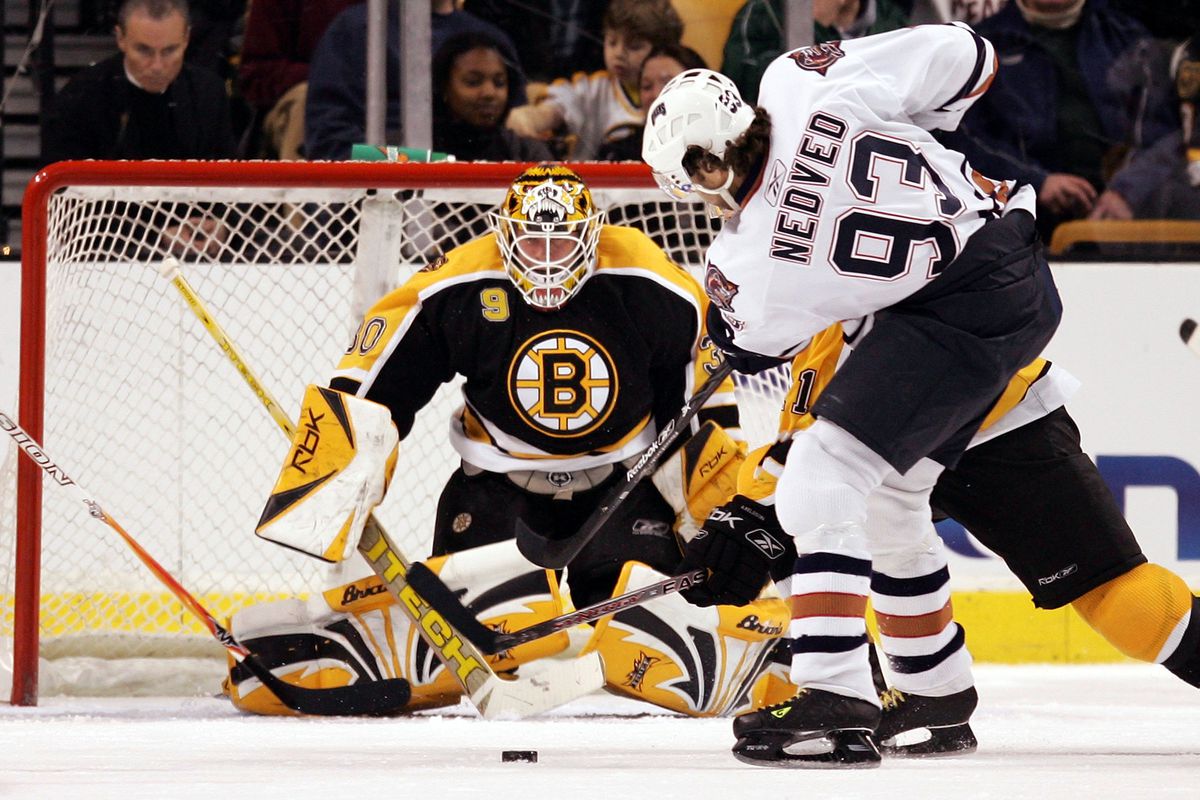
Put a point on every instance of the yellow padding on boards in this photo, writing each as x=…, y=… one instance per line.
x=1137, y=611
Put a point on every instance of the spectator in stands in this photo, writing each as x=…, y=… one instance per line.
x=216, y=25
x=970, y=11
x=143, y=102
x=550, y=35
x=280, y=38
x=1167, y=171
x=1054, y=117
x=756, y=36
x=471, y=100
x=660, y=66
x=591, y=107
x=335, y=111
x=1170, y=20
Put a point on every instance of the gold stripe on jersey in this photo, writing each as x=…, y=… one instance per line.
x=622, y=248
x=812, y=370
x=1016, y=390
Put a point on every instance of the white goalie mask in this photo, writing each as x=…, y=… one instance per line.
x=547, y=228
x=697, y=108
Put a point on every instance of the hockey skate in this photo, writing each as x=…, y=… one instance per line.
x=814, y=729
x=944, y=718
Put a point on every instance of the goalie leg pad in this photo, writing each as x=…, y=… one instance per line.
x=701, y=662
x=354, y=632
x=337, y=469
x=700, y=476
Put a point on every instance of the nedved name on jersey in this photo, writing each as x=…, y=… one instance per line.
x=791, y=190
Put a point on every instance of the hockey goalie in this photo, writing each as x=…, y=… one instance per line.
x=579, y=343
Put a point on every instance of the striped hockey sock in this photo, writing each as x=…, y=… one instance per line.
x=925, y=647
x=828, y=596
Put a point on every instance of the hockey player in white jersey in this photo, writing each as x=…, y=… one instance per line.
x=840, y=203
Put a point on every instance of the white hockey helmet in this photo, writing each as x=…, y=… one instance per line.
x=697, y=108
x=548, y=228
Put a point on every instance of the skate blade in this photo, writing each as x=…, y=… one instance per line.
x=940, y=742
x=842, y=749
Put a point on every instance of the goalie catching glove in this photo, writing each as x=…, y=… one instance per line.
x=699, y=476
x=338, y=466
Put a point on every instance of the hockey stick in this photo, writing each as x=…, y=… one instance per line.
x=383, y=696
x=552, y=685
x=557, y=553
x=1187, y=332
x=421, y=578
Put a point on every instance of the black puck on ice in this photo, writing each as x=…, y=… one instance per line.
x=1186, y=329
x=519, y=755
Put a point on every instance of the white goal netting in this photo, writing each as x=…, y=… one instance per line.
x=144, y=410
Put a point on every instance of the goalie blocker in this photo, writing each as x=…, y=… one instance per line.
x=700, y=476
x=336, y=471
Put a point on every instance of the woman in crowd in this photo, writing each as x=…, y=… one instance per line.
x=471, y=100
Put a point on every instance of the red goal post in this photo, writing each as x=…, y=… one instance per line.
x=124, y=387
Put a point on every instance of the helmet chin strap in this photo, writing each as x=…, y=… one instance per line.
x=723, y=192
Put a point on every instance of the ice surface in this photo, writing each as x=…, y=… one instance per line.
x=1057, y=732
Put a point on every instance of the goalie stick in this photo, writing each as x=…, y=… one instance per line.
x=1187, y=332
x=557, y=553
x=548, y=686
x=491, y=641
x=384, y=696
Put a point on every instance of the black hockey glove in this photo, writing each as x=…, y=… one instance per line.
x=741, y=545
x=743, y=361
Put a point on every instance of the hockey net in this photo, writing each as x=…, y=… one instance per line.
x=129, y=393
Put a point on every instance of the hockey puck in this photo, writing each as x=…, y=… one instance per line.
x=519, y=755
x=1186, y=329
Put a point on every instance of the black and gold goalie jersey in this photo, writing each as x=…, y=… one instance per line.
x=587, y=384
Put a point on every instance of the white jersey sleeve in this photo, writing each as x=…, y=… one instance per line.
x=937, y=71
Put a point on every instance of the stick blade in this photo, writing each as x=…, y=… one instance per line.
x=364, y=698
x=543, y=685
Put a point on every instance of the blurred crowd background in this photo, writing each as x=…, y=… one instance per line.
x=1094, y=102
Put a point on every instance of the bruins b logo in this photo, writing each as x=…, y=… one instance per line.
x=562, y=383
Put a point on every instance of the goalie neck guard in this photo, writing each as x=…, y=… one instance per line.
x=547, y=228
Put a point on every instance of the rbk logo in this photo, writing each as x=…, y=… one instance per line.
x=726, y=517
x=766, y=543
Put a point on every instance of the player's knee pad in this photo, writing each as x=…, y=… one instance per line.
x=1140, y=613
x=355, y=633
x=899, y=527
x=700, y=476
x=697, y=661
x=827, y=478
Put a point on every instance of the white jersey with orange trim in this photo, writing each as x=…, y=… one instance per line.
x=588, y=384
x=856, y=205
x=593, y=105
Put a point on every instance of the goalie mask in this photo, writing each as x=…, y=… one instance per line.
x=547, y=228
